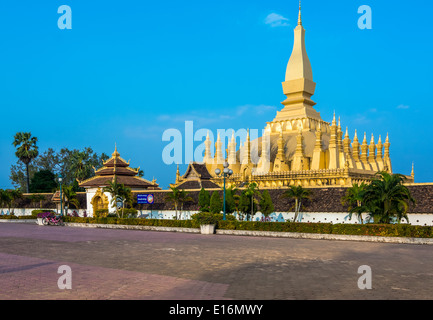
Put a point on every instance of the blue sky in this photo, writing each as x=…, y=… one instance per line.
x=128, y=70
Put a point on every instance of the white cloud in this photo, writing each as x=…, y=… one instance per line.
x=276, y=20
x=402, y=106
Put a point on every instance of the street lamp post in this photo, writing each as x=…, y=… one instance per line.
x=61, y=198
x=225, y=173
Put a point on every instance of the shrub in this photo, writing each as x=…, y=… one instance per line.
x=129, y=213
x=210, y=218
x=45, y=214
x=101, y=213
x=38, y=211
x=216, y=204
x=8, y=217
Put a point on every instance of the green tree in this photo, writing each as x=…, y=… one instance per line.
x=299, y=194
x=174, y=196
x=216, y=204
x=43, y=181
x=70, y=197
x=5, y=199
x=114, y=189
x=230, y=200
x=204, y=200
x=27, y=150
x=15, y=195
x=252, y=192
x=34, y=198
x=354, y=200
x=184, y=197
x=125, y=196
x=244, y=205
x=266, y=205
x=236, y=204
x=387, y=198
x=68, y=163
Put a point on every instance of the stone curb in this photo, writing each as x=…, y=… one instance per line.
x=131, y=227
x=249, y=233
x=317, y=236
x=293, y=235
x=18, y=220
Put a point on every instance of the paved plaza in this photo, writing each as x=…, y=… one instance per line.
x=152, y=265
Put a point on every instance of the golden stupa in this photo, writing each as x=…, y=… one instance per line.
x=298, y=147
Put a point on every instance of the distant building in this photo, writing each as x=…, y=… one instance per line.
x=114, y=168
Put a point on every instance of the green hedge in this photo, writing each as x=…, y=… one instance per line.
x=37, y=211
x=17, y=217
x=383, y=230
x=134, y=221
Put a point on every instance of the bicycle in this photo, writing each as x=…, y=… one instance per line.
x=53, y=221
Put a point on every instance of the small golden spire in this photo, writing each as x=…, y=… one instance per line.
x=365, y=138
x=413, y=172
x=355, y=138
x=299, y=16
x=115, y=153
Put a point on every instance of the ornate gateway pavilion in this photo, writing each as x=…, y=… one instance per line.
x=298, y=147
x=117, y=169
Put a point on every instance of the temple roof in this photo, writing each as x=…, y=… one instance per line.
x=117, y=168
x=196, y=176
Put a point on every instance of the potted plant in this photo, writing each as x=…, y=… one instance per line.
x=207, y=221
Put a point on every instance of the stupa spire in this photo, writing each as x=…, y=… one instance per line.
x=299, y=16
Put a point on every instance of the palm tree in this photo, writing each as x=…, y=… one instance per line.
x=266, y=205
x=184, y=197
x=251, y=192
x=114, y=189
x=298, y=193
x=125, y=196
x=174, y=196
x=15, y=195
x=5, y=199
x=237, y=205
x=70, y=197
x=27, y=150
x=386, y=198
x=35, y=198
x=354, y=199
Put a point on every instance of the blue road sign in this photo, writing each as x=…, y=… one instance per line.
x=145, y=198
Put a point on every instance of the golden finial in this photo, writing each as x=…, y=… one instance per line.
x=413, y=172
x=115, y=153
x=365, y=138
x=299, y=17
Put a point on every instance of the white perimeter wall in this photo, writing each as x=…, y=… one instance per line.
x=424, y=219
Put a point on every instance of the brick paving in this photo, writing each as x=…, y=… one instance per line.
x=150, y=265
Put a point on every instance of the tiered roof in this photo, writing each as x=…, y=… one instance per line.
x=118, y=168
x=196, y=176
